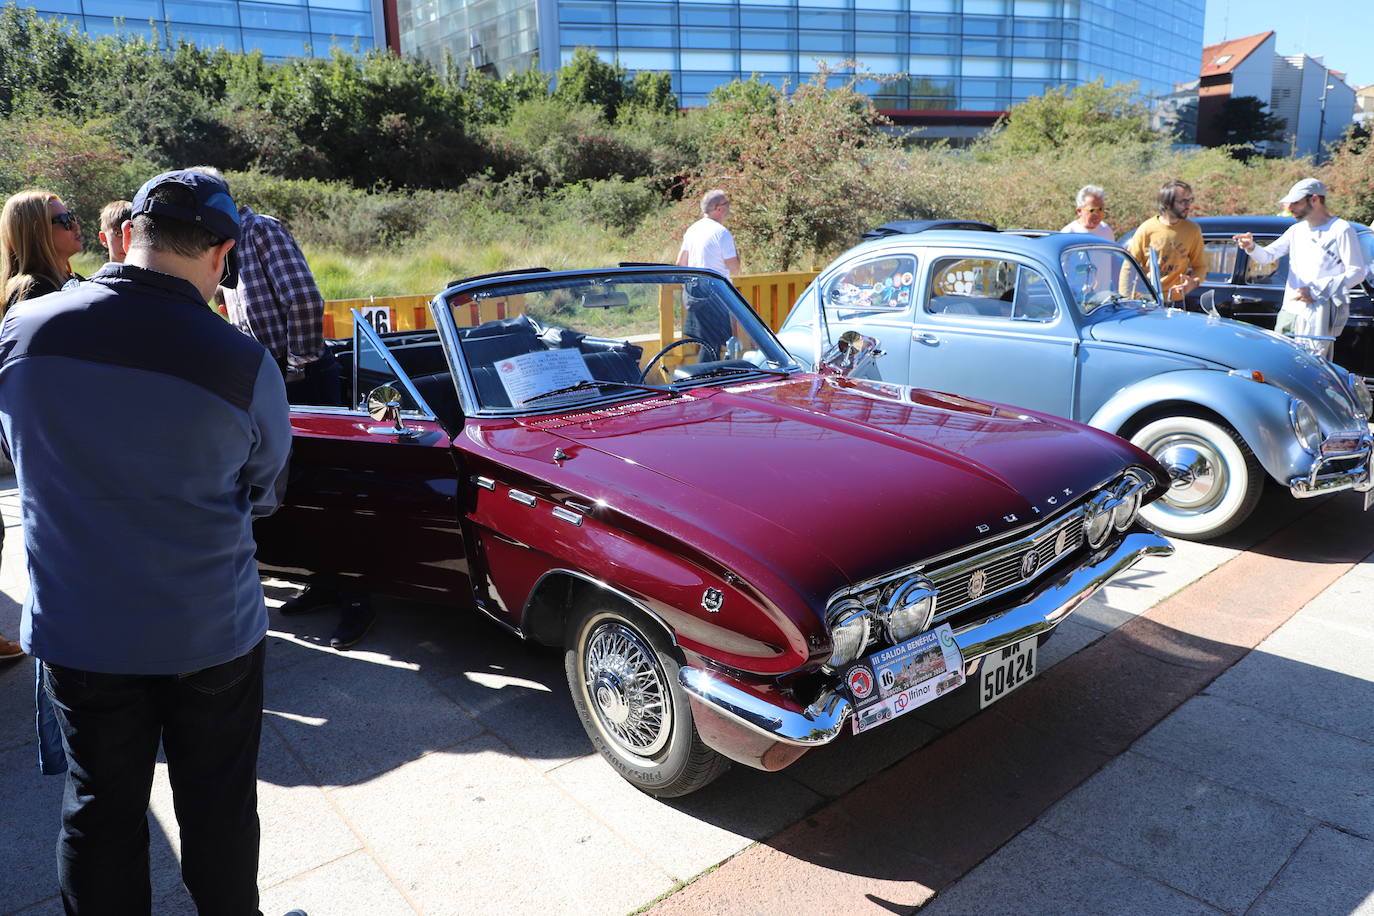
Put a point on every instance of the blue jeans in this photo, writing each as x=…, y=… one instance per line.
x=209, y=723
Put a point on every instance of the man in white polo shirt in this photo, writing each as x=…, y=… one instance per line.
x=707, y=243
x=1324, y=263
x=1091, y=207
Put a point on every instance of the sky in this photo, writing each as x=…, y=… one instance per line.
x=1341, y=32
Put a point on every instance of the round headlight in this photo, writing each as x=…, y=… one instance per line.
x=1364, y=402
x=1305, y=425
x=909, y=608
x=1097, y=519
x=849, y=621
x=1128, y=502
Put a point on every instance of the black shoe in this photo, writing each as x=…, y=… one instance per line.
x=357, y=618
x=314, y=598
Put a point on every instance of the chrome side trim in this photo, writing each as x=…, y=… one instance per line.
x=567, y=515
x=523, y=498
x=821, y=722
x=486, y=483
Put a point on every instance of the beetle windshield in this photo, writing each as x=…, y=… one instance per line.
x=548, y=341
x=1101, y=276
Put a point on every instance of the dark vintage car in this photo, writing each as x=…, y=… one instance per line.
x=1253, y=293
x=738, y=558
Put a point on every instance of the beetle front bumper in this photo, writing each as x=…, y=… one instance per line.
x=1353, y=473
x=737, y=709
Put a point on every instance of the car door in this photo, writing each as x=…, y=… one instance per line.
x=993, y=327
x=874, y=295
x=377, y=501
x=1242, y=289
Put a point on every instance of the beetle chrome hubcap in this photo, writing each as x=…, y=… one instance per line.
x=1197, y=473
x=627, y=689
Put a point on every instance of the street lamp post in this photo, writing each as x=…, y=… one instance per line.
x=1321, y=122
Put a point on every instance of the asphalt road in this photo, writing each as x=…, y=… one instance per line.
x=1200, y=742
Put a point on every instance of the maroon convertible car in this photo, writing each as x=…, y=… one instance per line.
x=741, y=559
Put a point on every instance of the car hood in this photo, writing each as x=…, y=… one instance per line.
x=1234, y=345
x=867, y=477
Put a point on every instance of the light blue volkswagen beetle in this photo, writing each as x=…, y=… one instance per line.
x=1070, y=325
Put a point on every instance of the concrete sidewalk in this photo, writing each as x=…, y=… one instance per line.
x=441, y=769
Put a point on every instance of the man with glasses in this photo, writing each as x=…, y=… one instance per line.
x=1091, y=209
x=1175, y=239
x=1325, y=262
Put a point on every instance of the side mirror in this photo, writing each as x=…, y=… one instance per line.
x=850, y=354
x=384, y=406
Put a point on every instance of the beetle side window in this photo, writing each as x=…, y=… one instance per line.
x=990, y=288
x=884, y=284
x=1220, y=255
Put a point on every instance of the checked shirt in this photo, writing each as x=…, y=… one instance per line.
x=276, y=302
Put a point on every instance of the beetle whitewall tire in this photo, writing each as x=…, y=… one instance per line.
x=1216, y=481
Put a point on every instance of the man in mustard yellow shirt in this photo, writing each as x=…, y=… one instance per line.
x=1175, y=239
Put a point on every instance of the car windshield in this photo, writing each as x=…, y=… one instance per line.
x=546, y=341
x=1104, y=276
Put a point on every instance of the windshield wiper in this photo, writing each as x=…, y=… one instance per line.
x=736, y=370
x=587, y=384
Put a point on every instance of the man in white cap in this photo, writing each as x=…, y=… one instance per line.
x=1324, y=262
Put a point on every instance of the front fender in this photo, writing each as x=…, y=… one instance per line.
x=1257, y=411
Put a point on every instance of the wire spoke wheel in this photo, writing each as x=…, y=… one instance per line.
x=627, y=689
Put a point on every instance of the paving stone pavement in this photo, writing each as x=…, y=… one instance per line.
x=440, y=769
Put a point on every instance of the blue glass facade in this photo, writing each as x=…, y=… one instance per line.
x=942, y=54
x=277, y=28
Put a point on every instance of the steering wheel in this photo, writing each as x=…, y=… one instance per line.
x=677, y=343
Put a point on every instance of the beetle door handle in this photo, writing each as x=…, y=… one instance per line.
x=1245, y=300
x=924, y=337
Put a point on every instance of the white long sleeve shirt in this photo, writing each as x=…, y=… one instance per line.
x=1326, y=259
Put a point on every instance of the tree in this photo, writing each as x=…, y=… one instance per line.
x=1243, y=122
x=589, y=80
x=1093, y=113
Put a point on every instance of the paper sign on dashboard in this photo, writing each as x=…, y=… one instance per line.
x=532, y=374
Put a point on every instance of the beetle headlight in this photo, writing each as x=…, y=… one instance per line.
x=1305, y=425
x=849, y=623
x=1097, y=519
x=1364, y=402
x=909, y=608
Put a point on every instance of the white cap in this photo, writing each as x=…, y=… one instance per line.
x=1305, y=188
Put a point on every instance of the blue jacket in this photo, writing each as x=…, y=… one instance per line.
x=147, y=434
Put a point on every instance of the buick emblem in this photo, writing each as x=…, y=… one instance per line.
x=712, y=599
x=1061, y=543
x=1029, y=563
x=977, y=583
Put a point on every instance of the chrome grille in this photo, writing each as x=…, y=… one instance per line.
x=1002, y=569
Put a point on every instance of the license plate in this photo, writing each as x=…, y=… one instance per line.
x=1004, y=671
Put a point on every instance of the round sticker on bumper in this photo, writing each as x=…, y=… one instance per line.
x=860, y=682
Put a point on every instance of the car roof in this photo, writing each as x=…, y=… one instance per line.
x=1049, y=246
x=1265, y=225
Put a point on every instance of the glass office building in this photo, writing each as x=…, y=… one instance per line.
x=277, y=28
x=970, y=55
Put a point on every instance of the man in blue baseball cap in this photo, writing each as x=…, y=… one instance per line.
x=147, y=433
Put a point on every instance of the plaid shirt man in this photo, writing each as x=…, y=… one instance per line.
x=277, y=302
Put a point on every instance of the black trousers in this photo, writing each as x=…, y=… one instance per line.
x=208, y=723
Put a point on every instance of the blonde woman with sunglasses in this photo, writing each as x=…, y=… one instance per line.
x=38, y=238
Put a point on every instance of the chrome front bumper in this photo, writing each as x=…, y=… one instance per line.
x=821, y=722
x=1316, y=483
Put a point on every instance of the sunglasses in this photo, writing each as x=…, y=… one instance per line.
x=1094, y=209
x=66, y=220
